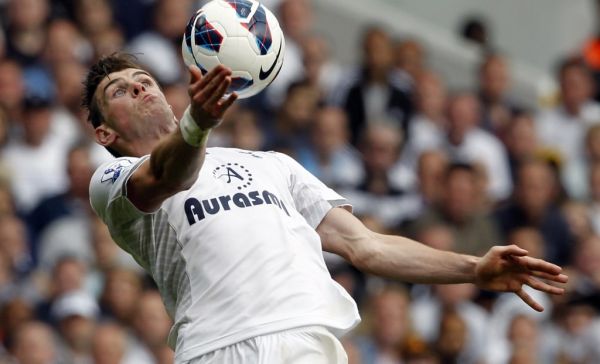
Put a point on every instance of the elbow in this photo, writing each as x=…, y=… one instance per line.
x=364, y=254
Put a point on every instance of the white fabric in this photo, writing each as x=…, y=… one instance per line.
x=423, y=135
x=483, y=147
x=304, y=345
x=565, y=133
x=36, y=172
x=236, y=256
x=159, y=54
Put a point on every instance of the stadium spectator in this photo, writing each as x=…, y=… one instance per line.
x=594, y=200
x=108, y=42
x=577, y=215
x=330, y=156
x=383, y=189
x=520, y=140
x=14, y=244
x=497, y=105
x=159, y=48
x=64, y=44
x=12, y=92
x=427, y=127
x=320, y=69
x=94, y=17
x=563, y=127
x=295, y=118
x=245, y=131
x=109, y=345
x=26, y=33
x=390, y=327
x=576, y=173
x=586, y=265
x=460, y=208
x=73, y=202
x=374, y=95
x=75, y=313
x=530, y=239
x=431, y=168
x=121, y=295
x=14, y=313
x=427, y=312
x=467, y=142
x=38, y=151
x=452, y=338
x=152, y=325
x=67, y=275
x=409, y=63
x=34, y=344
x=534, y=204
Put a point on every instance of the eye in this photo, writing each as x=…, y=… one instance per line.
x=119, y=92
x=146, y=83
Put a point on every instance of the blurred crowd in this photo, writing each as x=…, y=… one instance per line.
x=458, y=170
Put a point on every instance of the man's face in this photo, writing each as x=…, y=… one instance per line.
x=134, y=106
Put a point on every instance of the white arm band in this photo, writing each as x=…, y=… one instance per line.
x=191, y=132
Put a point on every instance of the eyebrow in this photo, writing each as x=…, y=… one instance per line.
x=115, y=80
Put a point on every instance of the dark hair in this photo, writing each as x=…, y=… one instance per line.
x=573, y=62
x=462, y=166
x=102, y=68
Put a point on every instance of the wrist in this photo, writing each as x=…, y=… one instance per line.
x=471, y=268
x=193, y=134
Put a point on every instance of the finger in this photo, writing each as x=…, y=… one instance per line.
x=195, y=74
x=219, y=92
x=528, y=300
x=535, y=264
x=203, y=94
x=544, y=287
x=514, y=250
x=225, y=104
x=206, y=79
x=558, y=278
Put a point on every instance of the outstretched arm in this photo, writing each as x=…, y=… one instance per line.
x=503, y=268
x=174, y=163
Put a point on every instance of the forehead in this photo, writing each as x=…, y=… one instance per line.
x=126, y=73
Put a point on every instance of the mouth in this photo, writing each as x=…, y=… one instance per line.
x=148, y=97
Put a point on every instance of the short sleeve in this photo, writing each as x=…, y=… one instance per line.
x=108, y=190
x=312, y=198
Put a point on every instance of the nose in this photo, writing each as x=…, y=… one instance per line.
x=137, y=87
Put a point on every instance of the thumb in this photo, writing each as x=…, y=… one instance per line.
x=195, y=73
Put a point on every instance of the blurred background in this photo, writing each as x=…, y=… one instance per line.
x=462, y=124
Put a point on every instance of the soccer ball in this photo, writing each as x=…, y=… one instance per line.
x=240, y=34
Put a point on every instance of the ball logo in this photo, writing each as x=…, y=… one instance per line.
x=233, y=174
x=264, y=74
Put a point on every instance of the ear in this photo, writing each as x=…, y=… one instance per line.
x=105, y=135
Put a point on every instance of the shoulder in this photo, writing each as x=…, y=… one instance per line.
x=109, y=180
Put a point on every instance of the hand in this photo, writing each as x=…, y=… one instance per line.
x=206, y=94
x=508, y=268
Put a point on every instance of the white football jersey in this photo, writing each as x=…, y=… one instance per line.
x=236, y=255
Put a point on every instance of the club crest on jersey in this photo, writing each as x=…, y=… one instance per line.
x=112, y=173
x=233, y=174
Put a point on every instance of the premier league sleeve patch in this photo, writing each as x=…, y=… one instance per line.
x=112, y=173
